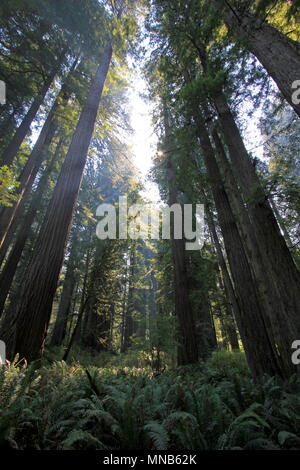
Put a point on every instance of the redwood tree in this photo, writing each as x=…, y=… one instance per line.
x=187, y=341
x=29, y=326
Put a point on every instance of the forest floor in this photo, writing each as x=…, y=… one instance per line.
x=208, y=406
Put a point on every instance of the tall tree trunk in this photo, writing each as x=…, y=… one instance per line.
x=11, y=150
x=272, y=302
x=187, y=342
x=26, y=180
x=228, y=287
x=19, y=211
x=228, y=319
x=281, y=223
x=280, y=268
x=80, y=333
x=129, y=321
x=204, y=326
x=260, y=355
x=124, y=309
x=83, y=303
x=34, y=162
x=281, y=271
x=279, y=54
x=9, y=270
x=77, y=327
x=200, y=304
x=33, y=312
x=60, y=326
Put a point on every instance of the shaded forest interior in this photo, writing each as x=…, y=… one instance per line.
x=137, y=343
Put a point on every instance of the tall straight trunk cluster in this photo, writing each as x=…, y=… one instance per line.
x=272, y=268
x=261, y=246
x=30, y=323
x=272, y=261
x=250, y=318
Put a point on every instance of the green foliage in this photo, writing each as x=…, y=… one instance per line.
x=210, y=406
x=202, y=86
x=8, y=185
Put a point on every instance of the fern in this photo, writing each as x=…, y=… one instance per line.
x=78, y=440
x=158, y=434
x=212, y=406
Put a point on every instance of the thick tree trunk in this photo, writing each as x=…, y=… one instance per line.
x=232, y=304
x=281, y=223
x=200, y=304
x=267, y=289
x=11, y=150
x=204, y=326
x=187, y=341
x=231, y=331
x=261, y=357
x=281, y=274
x=31, y=320
x=276, y=258
x=279, y=54
x=229, y=289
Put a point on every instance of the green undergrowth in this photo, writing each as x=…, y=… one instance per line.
x=207, y=406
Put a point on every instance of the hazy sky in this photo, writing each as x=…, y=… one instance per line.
x=143, y=140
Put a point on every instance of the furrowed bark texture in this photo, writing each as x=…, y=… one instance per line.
x=187, y=347
x=229, y=289
x=251, y=324
x=280, y=270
